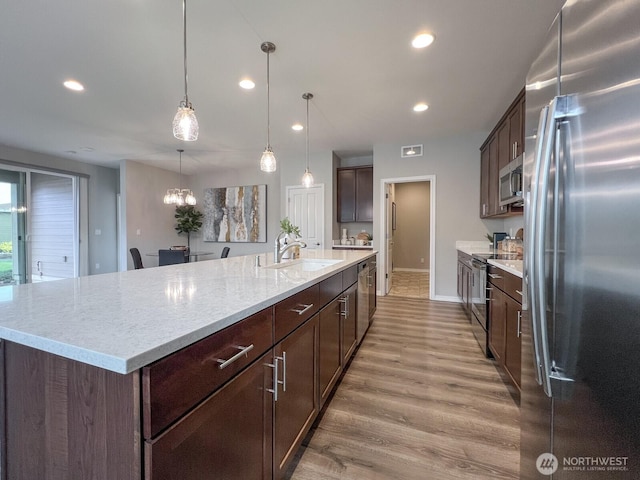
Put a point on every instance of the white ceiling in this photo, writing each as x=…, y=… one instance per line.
x=353, y=55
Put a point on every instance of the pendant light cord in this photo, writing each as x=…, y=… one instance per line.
x=307, y=133
x=268, y=107
x=184, y=43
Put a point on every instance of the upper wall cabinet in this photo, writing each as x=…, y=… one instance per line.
x=355, y=194
x=504, y=144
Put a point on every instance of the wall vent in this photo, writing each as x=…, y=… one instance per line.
x=411, y=151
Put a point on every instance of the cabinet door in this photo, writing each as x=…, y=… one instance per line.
x=484, y=181
x=504, y=157
x=512, y=342
x=348, y=330
x=515, y=130
x=297, y=405
x=329, y=360
x=346, y=195
x=497, y=323
x=229, y=433
x=364, y=194
x=494, y=171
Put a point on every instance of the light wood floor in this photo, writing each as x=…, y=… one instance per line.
x=418, y=402
x=409, y=284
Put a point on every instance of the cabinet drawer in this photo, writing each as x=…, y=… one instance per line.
x=173, y=385
x=513, y=285
x=495, y=276
x=292, y=312
x=349, y=277
x=330, y=288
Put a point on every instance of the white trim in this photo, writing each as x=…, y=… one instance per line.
x=382, y=250
x=446, y=298
x=419, y=270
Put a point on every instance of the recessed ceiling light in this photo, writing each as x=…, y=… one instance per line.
x=423, y=40
x=420, y=107
x=73, y=85
x=297, y=127
x=247, y=83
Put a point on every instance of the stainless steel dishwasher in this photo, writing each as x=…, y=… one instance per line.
x=363, y=299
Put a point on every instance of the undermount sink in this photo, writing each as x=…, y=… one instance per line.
x=305, y=264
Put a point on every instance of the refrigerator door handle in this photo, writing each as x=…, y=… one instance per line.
x=531, y=265
x=540, y=230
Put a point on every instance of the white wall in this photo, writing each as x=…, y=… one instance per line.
x=455, y=162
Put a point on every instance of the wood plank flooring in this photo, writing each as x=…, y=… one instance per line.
x=418, y=402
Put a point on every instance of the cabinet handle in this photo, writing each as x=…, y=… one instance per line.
x=301, y=311
x=518, y=332
x=519, y=292
x=226, y=363
x=274, y=390
x=493, y=275
x=283, y=382
x=345, y=301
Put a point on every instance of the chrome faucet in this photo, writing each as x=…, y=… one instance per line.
x=277, y=251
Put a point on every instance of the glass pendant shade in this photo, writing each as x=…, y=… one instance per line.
x=307, y=179
x=268, y=161
x=185, y=123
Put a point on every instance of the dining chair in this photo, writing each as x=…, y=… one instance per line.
x=137, y=258
x=171, y=257
x=225, y=252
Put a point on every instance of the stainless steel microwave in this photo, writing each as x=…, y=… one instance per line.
x=511, y=183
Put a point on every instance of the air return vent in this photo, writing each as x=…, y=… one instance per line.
x=411, y=151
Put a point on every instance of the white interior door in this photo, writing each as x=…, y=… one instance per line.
x=305, y=208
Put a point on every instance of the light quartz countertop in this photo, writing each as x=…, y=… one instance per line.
x=512, y=266
x=124, y=321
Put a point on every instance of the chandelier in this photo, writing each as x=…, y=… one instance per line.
x=179, y=196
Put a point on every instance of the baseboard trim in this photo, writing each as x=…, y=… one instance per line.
x=419, y=270
x=446, y=298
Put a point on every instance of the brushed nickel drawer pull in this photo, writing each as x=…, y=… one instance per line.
x=519, y=292
x=274, y=390
x=243, y=351
x=518, y=330
x=301, y=311
x=493, y=275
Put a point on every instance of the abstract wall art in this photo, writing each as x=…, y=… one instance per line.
x=235, y=214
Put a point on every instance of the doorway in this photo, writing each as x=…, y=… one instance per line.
x=407, y=250
x=39, y=226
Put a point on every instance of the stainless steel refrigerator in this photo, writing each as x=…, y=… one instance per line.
x=580, y=404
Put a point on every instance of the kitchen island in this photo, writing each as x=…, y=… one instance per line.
x=118, y=375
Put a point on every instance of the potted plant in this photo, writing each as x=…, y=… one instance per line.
x=189, y=220
x=292, y=234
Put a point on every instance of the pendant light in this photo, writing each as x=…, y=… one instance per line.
x=179, y=196
x=268, y=159
x=307, y=178
x=185, y=123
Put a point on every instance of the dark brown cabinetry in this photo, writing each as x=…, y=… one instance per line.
x=297, y=403
x=330, y=361
x=229, y=433
x=348, y=319
x=505, y=143
x=355, y=194
x=505, y=315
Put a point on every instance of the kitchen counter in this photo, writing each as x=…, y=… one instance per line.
x=124, y=321
x=512, y=266
x=352, y=247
